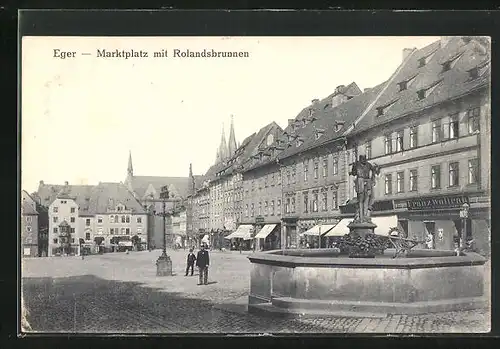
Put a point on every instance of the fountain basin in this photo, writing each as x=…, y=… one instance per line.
x=322, y=282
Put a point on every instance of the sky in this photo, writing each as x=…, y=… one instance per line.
x=80, y=116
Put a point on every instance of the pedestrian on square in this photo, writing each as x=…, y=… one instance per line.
x=191, y=258
x=202, y=262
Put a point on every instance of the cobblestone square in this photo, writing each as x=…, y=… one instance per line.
x=120, y=293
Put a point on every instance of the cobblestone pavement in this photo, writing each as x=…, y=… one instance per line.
x=120, y=293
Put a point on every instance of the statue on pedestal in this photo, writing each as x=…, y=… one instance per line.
x=364, y=182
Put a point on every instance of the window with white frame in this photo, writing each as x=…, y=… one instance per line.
x=316, y=165
x=335, y=166
x=453, y=128
x=399, y=141
x=324, y=202
x=436, y=131
x=306, y=169
x=306, y=201
x=453, y=174
x=315, y=202
x=388, y=144
x=335, y=201
x=325, y=166
x=400, y=182
x=388, y=184
x=473, y=173
x=413, y=137
x=413, y=180
x=368, y=150
x=99, y=220
x=473, y=120
x=436, y=177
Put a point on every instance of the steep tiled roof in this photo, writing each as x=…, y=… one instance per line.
x=141, y=183
x=107, y=195
x=89, y=198
x=27, y=209
x=48, y=193
x=327, y=119
x=258, y=140
x=453, y=83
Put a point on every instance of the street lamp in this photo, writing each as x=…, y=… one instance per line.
x=164, y=263
x=464, y=214
x=320, y=222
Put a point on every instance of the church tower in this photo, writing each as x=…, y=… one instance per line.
x=130, y=173
x=232, y=146
x=222, y=154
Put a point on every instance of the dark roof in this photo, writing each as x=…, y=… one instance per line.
x=107, y=195
x=48, y=193
x=91, y=199
x=453, y=83
x=327, y=118
x=257, y=141
x=141, y=183
x=28, y=209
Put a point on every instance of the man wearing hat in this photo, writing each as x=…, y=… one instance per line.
x=202, y=262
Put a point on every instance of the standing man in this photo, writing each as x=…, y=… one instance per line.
x=191, y=258
x=202, y=262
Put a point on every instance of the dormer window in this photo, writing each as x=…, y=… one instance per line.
x=424, y=60
x=403, y=85
x=338, y=125
x=319, y=133
x=424, y=92
x=299, y=142
x=451, y=62
x=478, y=71
x=311, y=112
x=383, y=109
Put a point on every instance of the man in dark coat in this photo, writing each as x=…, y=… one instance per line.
x=191, y=258
x=202, y=262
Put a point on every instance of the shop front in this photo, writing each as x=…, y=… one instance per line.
x=241, y=238
x=268, y=237
x=440, y=221
x=289, y=233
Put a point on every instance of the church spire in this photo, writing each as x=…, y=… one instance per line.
x=130, y=169
x=222, y=151
x=232, y=146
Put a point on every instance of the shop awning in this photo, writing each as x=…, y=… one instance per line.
x=244, y=231
x=314, y=231
x=265, y=231
x=341, y=228
x=125, y=243
x=384, y=223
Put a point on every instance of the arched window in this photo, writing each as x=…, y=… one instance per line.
x=123, y=219
x=116, y=219
x=128, y=219
x=111, y=219
x=123, y=231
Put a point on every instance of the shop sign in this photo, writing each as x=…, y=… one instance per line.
x=385, y=205
x=426, y=203
x=259, y=219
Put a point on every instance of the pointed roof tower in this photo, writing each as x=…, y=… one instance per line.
x=232, y=146
x=223, y=146
x=130, y=169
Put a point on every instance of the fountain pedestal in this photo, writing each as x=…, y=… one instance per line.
x=362, y=236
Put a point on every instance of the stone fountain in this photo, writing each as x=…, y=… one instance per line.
x=363, y=278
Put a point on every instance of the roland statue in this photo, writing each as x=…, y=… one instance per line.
x=364, y=182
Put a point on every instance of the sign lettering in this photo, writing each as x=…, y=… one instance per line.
x=437, y=202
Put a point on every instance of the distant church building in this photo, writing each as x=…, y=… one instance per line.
x=146, y=190
x=226, y=150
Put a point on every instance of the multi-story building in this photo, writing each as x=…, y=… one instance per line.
x=429, y=131
x=427, y=127
x=29, y=228
x=100, y=215
x=313, y=164
x=147, y=190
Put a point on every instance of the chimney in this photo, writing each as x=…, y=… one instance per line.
x=406, y=52
x=445, y=40
x=315, y=101
x=41, y=183
x=66, y=183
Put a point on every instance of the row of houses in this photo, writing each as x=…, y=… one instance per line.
x=427, y=127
